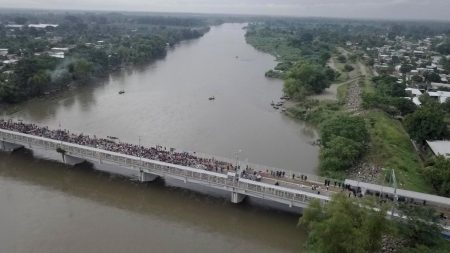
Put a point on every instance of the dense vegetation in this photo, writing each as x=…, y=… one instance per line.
x=306, y=78
x=438, y=174
x=98, y=43
x=427, y=123
x=302, y=56
x=389, y=97
x=343, y=139
x=352, y=225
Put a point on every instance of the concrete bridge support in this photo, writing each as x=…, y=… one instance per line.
x=146, y=177
x=9, y=147
x=237, y=198
x=72, y=160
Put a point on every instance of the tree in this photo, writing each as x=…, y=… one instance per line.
x=340, y=154
x=81, y=70
x=306, y=78
x=432, y=77
x=405, y=68
x=348, y=68
x=420, y=230
x=427, y=123
x=405, y=106
x=342, y=59
x=343, y=225
x=438, y=175
x=446, y=106
x=388, y=86
x=350, y=127
x=417, y=79
x=38, y=82
x=343, y=138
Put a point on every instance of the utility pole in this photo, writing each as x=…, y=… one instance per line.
x=237, y=160
x=140, y=150
x=60, y=132
x=394, y=185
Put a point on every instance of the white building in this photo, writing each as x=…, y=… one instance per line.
x=414, y=92
x=59, y=55
x=441, y=96
x=3, y=51
x=13, y=26
x=440, y=148
x=11, y=61
x=439, y=85
x=42, y=26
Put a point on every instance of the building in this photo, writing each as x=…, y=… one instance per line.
x=14, y=26
x=3, y=51
x=440, y=96
x=42, y=26
x=440, y=148
x=439, y=85
x=11, y=61
x=59, y=55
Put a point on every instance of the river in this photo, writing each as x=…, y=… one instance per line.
x=49, y=207
x=166, y=103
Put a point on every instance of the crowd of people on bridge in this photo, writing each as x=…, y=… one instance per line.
x=158, y=153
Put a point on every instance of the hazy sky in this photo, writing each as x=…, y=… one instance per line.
x=404, y=9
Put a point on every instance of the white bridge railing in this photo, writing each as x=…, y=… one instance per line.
x=292, y=197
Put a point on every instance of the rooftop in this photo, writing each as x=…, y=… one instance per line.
x=440, y=147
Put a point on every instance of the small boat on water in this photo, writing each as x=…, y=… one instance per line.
x=272, y=104
x=283, y=109
x=279, y=104
x=276, y=107
x=121, y=92
x=112, y=137
x=212, y=98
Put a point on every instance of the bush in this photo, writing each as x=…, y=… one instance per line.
x=348, y=68
x=306, y=78
x=342, y=59
x=343, y=138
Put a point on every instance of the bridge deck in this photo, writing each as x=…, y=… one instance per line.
x=293, y=195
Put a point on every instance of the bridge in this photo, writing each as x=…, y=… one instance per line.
x=147, y=170
x=293, y=193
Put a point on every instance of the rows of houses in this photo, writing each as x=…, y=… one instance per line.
x=422, y=62
x=419, y=56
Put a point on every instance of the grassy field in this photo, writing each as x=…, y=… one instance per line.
x=342, y=92
x=391, y=148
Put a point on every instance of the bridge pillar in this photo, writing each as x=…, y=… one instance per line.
x=146, y=177
x=237, y=198
x=9, y=147
x=72, y=160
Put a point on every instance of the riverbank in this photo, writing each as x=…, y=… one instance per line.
x=389, y=146
x=38, y=74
